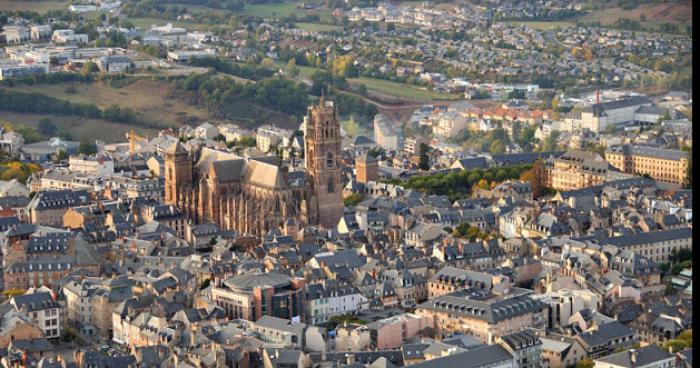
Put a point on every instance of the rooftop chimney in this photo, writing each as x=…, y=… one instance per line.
x=633, y=356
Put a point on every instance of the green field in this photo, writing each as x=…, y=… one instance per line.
x=401, y=90
x=39, y=6
x=316, y=27
x=78, y=126
x=274, y=9
x=147, y=98
x=543, y=26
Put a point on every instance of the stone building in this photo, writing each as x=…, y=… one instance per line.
x=660, y=164
x=254, y=195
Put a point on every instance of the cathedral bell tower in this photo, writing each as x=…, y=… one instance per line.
x=178, y=174
x=322, y=151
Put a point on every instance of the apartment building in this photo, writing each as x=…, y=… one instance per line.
x=577, y=169
x=657, y=246
x=483, y=315
x=660, y=164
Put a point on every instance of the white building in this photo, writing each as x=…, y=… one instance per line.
x=62, y=36
x=383, y=135
x=326, y=301
x=15, y=34
x=40, y=32
x=564, y=303
x=267, y=137
x=40, y=305
x=99, y=166
x=15, y=70
x=206, y=131
x=600, y=115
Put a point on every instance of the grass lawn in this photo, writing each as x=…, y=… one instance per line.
x=274, y=9
x=307, y=71
x=315, y=27
x=79, y=126
x=676, y=12
x=39, y=6
x=304, y=71
x=402, y=90
x=543, y=26
x=147, y=98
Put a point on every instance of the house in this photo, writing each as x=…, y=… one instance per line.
x=489, y=356
x=290, y=334
x=206, y=131
x=41, y=306
x=16, y=325
x=525, y=347
x=602, y=340
x=13, y=188
x=561, y=351
x=650, y=356
x=46, y=150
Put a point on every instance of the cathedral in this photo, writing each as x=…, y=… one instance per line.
x=255, y=195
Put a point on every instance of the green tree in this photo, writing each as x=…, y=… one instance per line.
x=497, y=146
x=89, y=68
x=424, y=159
x=585, y=363
x=675, y=345
x=292, y=69
x=87, y=146
x=353, y=199
x=47, y=127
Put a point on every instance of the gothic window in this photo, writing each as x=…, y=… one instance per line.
x=329, y=160
x=331, y=189
x=170, y=173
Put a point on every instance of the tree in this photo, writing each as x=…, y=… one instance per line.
x=47, y=127
x=89, y=68
x=29, y=134
x=534, y=177
x=87, y=147
x=550, y=143
x=205, y=284
x=62, y=155
x=497, y=146
x=362, y=90
x=292, y=69
x=675, y=345
x=424, y=159
x=353, y=199
x=585, y=363
x=555, y=103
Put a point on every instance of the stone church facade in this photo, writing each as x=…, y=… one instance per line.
x=255, y=195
